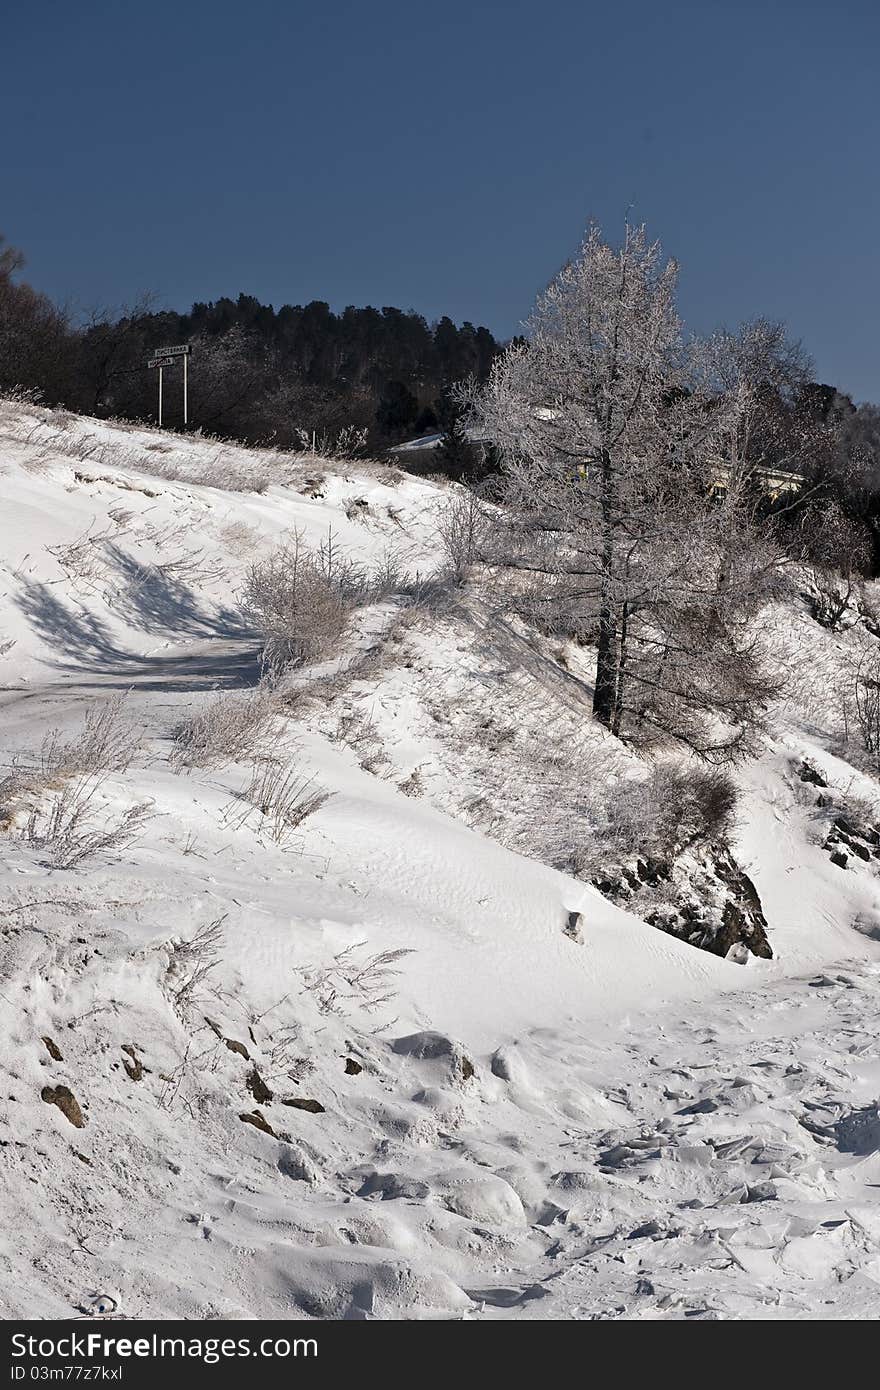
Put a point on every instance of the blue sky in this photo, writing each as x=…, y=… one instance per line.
x=447, y=156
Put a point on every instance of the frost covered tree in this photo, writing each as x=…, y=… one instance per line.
x=622, y=511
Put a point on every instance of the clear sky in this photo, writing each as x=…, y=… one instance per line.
x=447, y=156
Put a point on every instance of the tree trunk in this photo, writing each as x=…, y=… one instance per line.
x=605, y=691
x=621, y=671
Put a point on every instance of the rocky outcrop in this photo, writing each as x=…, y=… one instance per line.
x=702, y=897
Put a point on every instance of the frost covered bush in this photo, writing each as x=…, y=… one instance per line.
x=462, y=527
x=299, y=602
x=866, y=702
x=673, y=810
x=226, y=729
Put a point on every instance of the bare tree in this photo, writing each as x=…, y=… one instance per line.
x=611, y=441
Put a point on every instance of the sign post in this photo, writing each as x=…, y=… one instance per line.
x=166, y=357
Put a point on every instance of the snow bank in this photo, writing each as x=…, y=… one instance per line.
x=367, y=1072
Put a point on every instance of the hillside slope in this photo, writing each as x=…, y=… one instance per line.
x=363, y=1066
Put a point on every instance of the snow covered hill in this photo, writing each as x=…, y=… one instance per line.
x=376, y=1061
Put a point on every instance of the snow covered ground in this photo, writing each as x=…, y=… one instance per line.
x=364, y=1070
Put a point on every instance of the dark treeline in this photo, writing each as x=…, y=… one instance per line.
x=258, y=374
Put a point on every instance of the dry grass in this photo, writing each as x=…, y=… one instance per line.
x=107, y=742
x=227, y=729
x=191, y=963
x=353, y=981
x=74, y=826
x=283, y=798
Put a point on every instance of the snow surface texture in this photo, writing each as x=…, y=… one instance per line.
x=371, y=1069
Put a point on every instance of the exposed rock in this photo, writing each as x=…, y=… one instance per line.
x=574, y=927
x=392, y=1186
x=313, y=1106
x=133, y=1064
x=53, y=1050
x=652, y=871
x=848, y=836
x=258, y=1088
x=258, y=1121
x=352, y=1068
x=231, y=1043
x=67, y=1103
x=810, y=774
x=703, y=897
x=859, y=1132
x=425, y=1047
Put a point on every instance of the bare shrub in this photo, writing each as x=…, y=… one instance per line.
x=859, y=810
x=388, y=577
x=839, y=548
x=462, y=527
x=226, y=729
x=299, y=602
x=74, y=827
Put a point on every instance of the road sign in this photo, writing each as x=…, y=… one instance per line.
x=166, y=357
